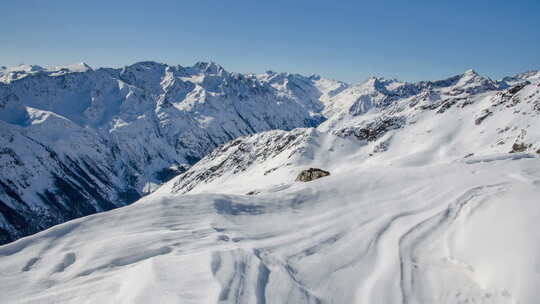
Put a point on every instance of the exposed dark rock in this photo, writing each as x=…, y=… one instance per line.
x=166, y=174
x=536, y=105
x=382, y=146
x=518, y=147
x=509, y=97
x=513, y=90
x=447, y=105
x=311, y=174
x=485, y=114
x=374, y=129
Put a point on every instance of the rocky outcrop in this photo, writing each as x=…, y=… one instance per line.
x=243, y=153
x=311, y=174
x=372, y=130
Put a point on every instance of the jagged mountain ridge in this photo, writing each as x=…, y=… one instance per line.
x=431, y=198
x=463, y=116
x=78, y=141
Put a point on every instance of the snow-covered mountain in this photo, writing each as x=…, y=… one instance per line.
x=432, y=197
x=383, y=122
x=75, y=141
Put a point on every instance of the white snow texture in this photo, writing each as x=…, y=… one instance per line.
x=432, y=195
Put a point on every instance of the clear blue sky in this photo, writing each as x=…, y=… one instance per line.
x=349, y=40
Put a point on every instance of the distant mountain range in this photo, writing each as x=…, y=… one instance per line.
x=76, y=141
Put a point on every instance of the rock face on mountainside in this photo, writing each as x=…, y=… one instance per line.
x=311, y=174
x=246, y=152
x=75, y=140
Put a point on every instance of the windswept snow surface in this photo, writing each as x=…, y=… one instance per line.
x=446, y=233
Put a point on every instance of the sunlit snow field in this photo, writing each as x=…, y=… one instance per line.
x=447, y=233
x=429, y=208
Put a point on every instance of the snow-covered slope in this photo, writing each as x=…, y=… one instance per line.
x=75, y=141
x=9, y=74
x=432, y=196
x=441, y=123
x=438, y=206
x=378, y=94
x=447, y=233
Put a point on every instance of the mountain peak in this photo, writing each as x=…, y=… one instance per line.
x=146, y=64
x=470, y=72
x=209, y=67
x=76, y=67
x=84, y=64
x=25, y=68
